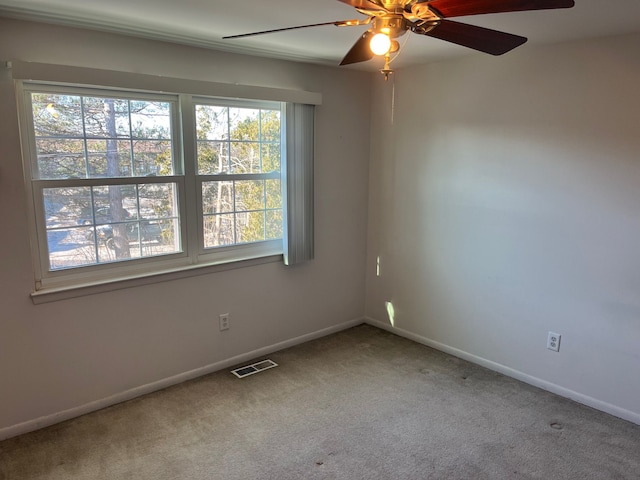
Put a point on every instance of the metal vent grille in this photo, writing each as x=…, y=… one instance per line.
x=254, y=368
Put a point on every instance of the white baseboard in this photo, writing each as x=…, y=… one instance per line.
x=47, y=420
x=510, y=372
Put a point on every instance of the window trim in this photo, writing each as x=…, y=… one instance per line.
x=86, y=76
x=243, y=255
x=113, y=283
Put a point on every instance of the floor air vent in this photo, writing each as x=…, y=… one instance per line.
x=253, y=368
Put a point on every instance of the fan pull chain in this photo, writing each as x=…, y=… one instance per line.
x=393, y=99
x=406, y=39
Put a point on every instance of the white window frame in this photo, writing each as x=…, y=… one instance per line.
x=297, y=206
x=246, y=250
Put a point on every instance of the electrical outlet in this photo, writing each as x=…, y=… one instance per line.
x=224, y=321
x=553, y=341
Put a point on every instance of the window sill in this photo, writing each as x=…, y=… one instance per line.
x=54, y=294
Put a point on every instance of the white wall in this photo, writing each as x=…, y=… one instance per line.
x=63, y=355
x=505, y=202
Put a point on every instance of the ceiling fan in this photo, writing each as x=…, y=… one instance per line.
x=390, y=19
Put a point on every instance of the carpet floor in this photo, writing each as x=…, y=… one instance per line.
x=359, y=404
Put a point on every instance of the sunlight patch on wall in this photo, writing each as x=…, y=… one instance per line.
x=391, y=313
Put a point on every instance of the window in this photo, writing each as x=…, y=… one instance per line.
x=127, y=183
x=239, y=158
x=81, y=139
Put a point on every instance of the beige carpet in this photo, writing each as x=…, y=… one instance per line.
x=360, y=404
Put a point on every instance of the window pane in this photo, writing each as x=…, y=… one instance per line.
x=70, y=247
x=217, y=197
x=56, y=115
x=111, y=204
x=212, y=122
x=150, y=120
x=82, y=136
x=249, y=195
x=250, y=227
x=219, y=230
x=99, y=117
x=213, y=157
x=274, y=194
x=61, y=158
x=270, y=125
x=109, y=158
x=152, y=157
x=123, y=122
x=112, y=223
x=169, y=231
x=271, y=157
x=244, y=124
x=157, y=200
x=63, y=207
x=152, y=237
x=97, y=158
x=245, y=157
x=273, y=224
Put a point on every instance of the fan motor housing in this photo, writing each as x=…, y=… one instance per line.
x=393, y=25
x=395, y=5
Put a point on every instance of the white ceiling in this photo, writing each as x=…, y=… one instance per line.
x=203, y=23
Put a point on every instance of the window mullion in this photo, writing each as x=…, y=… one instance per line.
x=84, y=138
x=260, y=139
x=104, y=181
x=132, y=163
x=240, y=176
x=193, y=188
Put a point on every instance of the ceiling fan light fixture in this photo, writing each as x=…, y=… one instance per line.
x=380, y=44
x=391, y=19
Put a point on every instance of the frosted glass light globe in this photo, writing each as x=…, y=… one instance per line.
x=380, y=44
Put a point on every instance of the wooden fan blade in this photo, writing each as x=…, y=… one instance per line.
x=360, y=52
x=337, y=23
x=363, y=4
x=479, y=38
x=459, y=8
